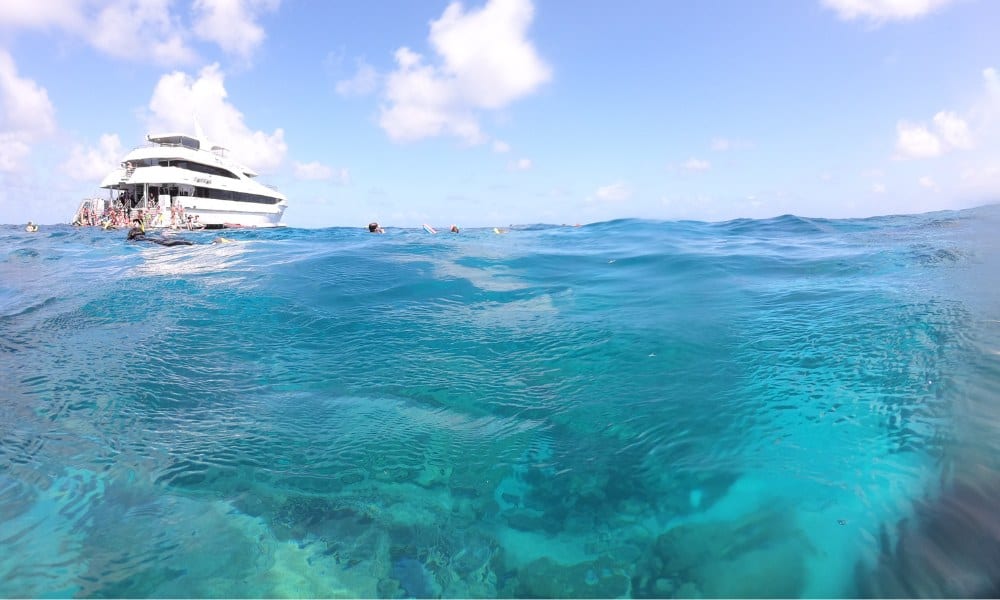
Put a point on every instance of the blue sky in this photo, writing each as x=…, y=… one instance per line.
x=513, y=111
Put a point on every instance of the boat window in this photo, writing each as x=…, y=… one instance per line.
x=215, y=194
x=174, y=140
x=208, y=169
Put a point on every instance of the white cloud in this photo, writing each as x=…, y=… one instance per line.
x=26, y=115
x=992, y=81
x=66, y=14
x=488, y=52
x=422, y=104
x=93, y=164
x=364, y=82
x=232, y=24
x=155, y=32
x=317, y=171
x=522, y=164
x=722, y=144
x=312, y=170
x=161, y=38
x=927, y=182
x=501, y=147
x=146, y=30
x=884, y=10
x=13, y=152
x=985, y=177
x=695, y=164
x=486, y=62
x=616, y=192
x=986, y=111
x=878, y=188
x=953, y=130
x=916, y=141
x=179, y=101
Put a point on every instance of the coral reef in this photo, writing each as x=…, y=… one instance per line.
x=759, y=556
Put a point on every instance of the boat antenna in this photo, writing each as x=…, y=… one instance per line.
x=199, y=132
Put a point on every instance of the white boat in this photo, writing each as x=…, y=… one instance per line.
x=180, y=181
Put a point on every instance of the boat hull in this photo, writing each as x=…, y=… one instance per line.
x=222, y=213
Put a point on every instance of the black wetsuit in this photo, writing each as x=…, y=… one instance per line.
x=136, y=234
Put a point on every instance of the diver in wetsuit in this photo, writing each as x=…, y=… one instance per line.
x=138, y=234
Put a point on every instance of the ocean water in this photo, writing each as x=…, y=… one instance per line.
x=784, y=408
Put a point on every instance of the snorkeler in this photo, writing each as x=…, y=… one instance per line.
x=138, y=234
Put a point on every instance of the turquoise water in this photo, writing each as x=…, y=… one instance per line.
x=785, y=407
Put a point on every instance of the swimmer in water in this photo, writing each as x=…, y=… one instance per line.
x=138, y=234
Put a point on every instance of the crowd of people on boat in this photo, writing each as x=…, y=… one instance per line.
x=116, y=216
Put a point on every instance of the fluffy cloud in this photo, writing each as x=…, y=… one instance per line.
x=317, y=171
x=927, y=182
x=616, y=192
x=884, y=10
x=423, y=104
x=93, y=164
x=721, y=144
x=364, y=82
x=986, y=112
x=160, y=40
x=232, y=24
x=312, y=170
x=488, y=53
x=951, y=132
x=523, y=164
x=163, y=36
x=501, y=147
x=179, y=101
x=485, y=63
x=26, y=115
x=992, y=81
x=695, y=164
x=65, y=14
x=916, y=141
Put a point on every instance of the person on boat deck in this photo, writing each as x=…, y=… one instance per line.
x=375, y=228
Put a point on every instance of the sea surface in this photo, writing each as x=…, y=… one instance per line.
x=786, y=407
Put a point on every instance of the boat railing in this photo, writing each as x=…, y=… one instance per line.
x=150, y=144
